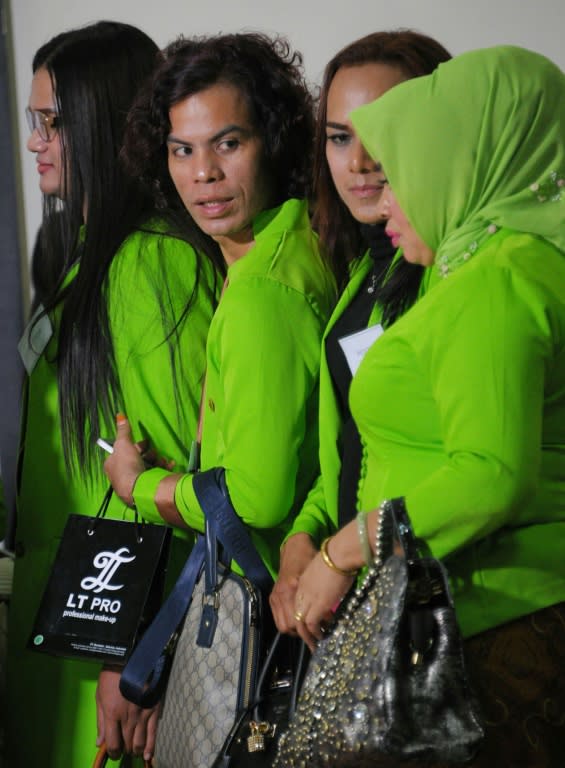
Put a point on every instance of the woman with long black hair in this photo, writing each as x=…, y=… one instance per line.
x=121, y=326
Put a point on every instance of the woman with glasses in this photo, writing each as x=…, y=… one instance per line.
x=122, y=328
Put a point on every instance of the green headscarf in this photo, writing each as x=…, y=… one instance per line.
x=477, y=145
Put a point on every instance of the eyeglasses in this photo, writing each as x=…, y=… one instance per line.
x=45, y=123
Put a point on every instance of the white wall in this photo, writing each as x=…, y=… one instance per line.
x=316, y=27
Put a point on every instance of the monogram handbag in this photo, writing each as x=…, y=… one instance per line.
x=105, y=585
x=389, y=682
x=253, y=740
x=211, y=632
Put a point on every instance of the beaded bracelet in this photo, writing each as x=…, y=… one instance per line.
x=330, y=563
x=364, y=537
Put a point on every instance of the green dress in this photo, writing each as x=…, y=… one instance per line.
x=51, y=718
x=261, y=405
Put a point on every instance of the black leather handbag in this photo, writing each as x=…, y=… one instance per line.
x=253, y=740
x=389, y=682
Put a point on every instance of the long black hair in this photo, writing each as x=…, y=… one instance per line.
x=96, y=72
x=414, y=55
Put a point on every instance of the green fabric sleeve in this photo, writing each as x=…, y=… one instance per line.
x=313, y=517
x=160, y=350
x=144, y=492
x=152, y=281
x=267, y=338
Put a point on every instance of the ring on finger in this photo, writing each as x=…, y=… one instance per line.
x=299, y=616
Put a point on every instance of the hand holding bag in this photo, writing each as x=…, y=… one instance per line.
x=214, y=618
x=389, y=682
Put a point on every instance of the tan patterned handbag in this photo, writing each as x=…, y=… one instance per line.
x=210, y=681
x=214, y=625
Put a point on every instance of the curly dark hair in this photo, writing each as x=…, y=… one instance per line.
x=269, y=76
x=414, y=54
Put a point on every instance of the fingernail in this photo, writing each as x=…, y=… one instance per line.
x=120, y=418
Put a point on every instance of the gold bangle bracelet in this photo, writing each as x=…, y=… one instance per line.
x=330, y=563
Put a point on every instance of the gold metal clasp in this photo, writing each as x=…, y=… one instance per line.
x=259, y=731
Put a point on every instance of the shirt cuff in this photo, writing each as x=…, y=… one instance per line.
x=187, y=504
x=310, y=526
x=144, y=492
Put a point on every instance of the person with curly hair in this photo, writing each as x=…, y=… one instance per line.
x=226, y=131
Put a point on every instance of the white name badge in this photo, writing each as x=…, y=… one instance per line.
x=356, y=345
x=32, y=345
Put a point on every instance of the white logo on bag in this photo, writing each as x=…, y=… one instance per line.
x=108, y=562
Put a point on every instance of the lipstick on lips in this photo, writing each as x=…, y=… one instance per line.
x=365, y=190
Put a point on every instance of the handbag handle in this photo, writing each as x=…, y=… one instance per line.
x=394, y=519
x=142, y=680
x=259, y=709
x=102, y=758
x=414, y=549
x=299, y=667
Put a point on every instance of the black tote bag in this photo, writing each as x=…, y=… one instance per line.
x=105, y=586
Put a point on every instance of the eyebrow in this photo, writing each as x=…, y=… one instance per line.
x=337, y=126
x=232, y=128
x=44, y=110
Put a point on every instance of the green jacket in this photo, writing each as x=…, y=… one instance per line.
x=61, y=712
x=260, y=417
x=473, y=432
x=319, y=515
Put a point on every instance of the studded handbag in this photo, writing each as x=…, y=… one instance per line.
x=389, y=682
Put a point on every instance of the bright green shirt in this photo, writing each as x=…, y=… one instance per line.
x=260, y=417
x=470, y=427
x=53, y=699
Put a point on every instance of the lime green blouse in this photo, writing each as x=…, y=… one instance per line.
x=471, y=427
x=260, y=416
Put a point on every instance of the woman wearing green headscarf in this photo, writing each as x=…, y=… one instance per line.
x=474, y=438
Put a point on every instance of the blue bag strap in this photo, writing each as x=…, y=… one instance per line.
x=143, y=677
x=212, y=494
